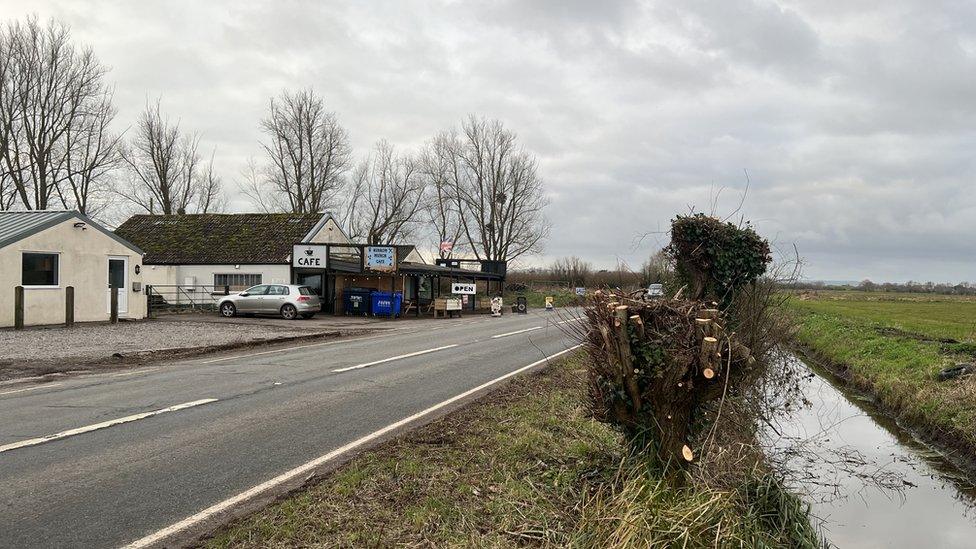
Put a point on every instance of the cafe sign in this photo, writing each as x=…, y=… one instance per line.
x=381, y=258
x=309, y=256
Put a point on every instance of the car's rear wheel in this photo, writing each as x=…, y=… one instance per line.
x=227, y=310
x=289, y=312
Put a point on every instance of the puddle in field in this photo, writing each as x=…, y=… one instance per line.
x=869, y=480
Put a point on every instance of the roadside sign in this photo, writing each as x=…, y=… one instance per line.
x=464, y=288
x=581, y=291
x=312, y=256
x=453, y=304
x=496, y=306
x=549, y=304
x=381, y=258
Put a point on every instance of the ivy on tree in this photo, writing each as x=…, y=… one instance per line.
x=715, y=258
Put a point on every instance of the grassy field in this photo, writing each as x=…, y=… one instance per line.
x=522, y=467
x=894, y=345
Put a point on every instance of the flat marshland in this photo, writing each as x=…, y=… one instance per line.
x=893, y=345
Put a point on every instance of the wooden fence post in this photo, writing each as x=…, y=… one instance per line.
x=114, y=310
x=19, y=308
x=69, y=306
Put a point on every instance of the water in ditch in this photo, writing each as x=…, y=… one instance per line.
x=871, y=483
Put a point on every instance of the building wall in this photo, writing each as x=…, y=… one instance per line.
x=195, y=281
x=83, y=260
x=330, y=233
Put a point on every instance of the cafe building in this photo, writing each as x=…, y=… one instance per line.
x=194, y=259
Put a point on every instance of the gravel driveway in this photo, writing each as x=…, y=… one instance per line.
x=86, y=342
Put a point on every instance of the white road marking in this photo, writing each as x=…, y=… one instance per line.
x=518, y=332
x=134, y=372
x=102, y=425
x=392, y=358
x=301, y=470
x=30, y=388
x=570, y=320
x=336, y=342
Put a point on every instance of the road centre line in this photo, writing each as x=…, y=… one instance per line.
x=134, y=372
x=518, y=332
x=408, y=355
x=570, y=320
x=324, y=343
x=304, y=469
x=31, y=388
x=102, y=425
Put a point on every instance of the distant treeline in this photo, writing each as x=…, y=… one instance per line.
x=962, y=288
x=573, y=272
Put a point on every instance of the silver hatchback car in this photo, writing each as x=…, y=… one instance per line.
x=288, y=300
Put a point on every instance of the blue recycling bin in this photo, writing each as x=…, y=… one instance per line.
x=356, y=301
x=386, y=303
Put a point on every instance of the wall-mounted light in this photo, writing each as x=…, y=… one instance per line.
x=237, y=266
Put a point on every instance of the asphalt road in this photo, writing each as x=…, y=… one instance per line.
x=106, y=460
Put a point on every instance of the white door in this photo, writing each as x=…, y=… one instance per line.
x=118, y=276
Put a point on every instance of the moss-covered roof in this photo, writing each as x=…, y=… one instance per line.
x=221, y=239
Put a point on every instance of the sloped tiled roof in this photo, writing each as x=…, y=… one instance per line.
x=18, y=225
x=220, y=239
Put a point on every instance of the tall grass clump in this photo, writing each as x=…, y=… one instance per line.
x=640, y=509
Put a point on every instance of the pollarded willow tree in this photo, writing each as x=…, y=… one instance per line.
x=307, y=156
x=56, y=148
x=497, y=189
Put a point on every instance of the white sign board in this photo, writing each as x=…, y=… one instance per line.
x=309, y=256
x=453, y=304
x=380, y=258
x=464, y=288
x=580, y=291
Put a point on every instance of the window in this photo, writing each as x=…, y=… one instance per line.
x=278, y=290
x=236, y=281
x=305, y=290
x=39, y=269
x=258, y=290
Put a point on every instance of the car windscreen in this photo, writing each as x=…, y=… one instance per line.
x=305, y=290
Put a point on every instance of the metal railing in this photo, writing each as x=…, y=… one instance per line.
x=185, y=296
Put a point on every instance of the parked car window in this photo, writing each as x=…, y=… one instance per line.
x=39, y=269
x=257, y=290
x=278, y=290
x=305, y=290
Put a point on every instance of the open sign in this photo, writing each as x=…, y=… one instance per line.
x=464, y=288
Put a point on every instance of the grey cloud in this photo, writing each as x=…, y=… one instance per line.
x=854, y=119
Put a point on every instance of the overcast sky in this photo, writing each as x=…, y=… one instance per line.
x=856, y=121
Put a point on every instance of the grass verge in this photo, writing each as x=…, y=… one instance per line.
x=522, y=466
x=893, y=349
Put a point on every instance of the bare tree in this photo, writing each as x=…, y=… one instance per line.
x=164, y=166
x=91, y=156
x=572, y=270
x=55, y=147
x=442, y=210
x=210, y=195
x=499, y=191
x=308, y=153
x=386, y=197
